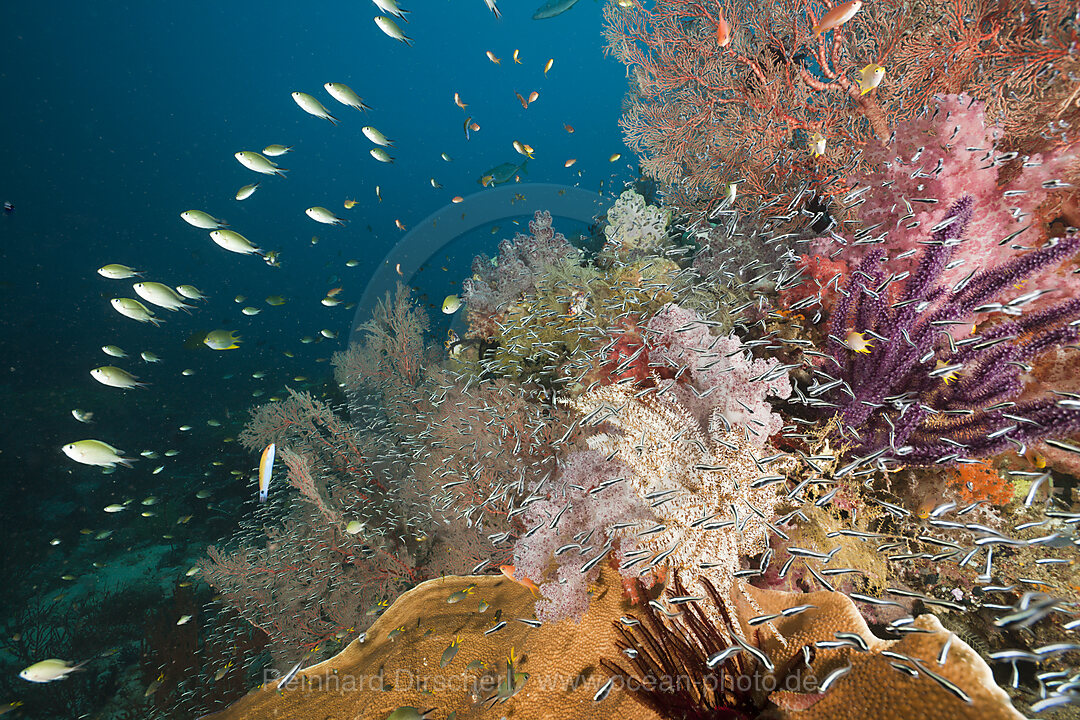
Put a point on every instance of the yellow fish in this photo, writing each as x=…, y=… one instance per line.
x=858, y=343
x=523, y=148
x=451, y=304
x=870, y=77
x=221, y=340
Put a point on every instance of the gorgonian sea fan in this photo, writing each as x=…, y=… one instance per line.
x=920, y=396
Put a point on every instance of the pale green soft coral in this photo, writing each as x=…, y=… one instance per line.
x=635, y=227
x=551, y=331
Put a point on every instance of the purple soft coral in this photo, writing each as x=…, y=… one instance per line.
x=496, y=283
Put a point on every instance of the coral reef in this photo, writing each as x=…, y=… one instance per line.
x=309, y=572
x=713, y=491
x=391, y=357
x=823, y=277
x=553, y=671
x=754, y=109
x=303, y=582
x=575, y=516
x=979, y=482
x=718, y=374
x=865, y=680
x=1019, y=57
x=675, y=672
x=549, y=333
x=952, y=151
x=469, y=487
x=496, y=282
x=701, y=116
x=611, y=436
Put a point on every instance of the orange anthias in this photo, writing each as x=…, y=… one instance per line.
x=723, y=30
x=837, y=16
x=508, y=571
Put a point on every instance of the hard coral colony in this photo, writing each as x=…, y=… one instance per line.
x=791, y=396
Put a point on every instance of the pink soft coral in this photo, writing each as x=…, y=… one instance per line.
x=716, y=371
x=945, y=154
x=579, y=522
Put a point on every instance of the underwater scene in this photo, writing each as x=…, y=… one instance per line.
x=563, y=359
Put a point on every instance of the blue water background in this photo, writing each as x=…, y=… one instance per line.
x=117, y=117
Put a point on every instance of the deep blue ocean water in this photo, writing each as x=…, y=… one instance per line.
x=117, y=117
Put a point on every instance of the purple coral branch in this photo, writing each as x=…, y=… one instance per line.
x=922, y=397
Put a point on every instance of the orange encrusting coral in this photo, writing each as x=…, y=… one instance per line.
x=977, y=482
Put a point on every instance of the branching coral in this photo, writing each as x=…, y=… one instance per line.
x=1020, y=56
x=1056, y=370
x=921, y=397
x=332, y=448
x=701, y=114
x=305, y=582
x=488, y=443
x=393, y=492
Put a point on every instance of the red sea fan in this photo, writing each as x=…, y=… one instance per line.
x=700, y=115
